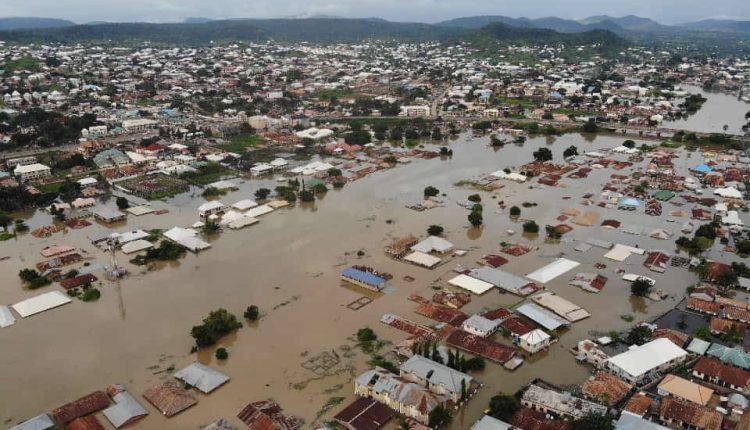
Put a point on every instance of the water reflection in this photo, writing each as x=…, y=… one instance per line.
x=474, y=233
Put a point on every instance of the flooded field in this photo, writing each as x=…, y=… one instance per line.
x=718, y=110
x=288, y=265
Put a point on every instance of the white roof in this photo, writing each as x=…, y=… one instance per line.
x=565, y=308
x=422, y=259
x=136, y=246
x=641, y=359
x=490, y=423
x=139, y=210
x=222, y=185
x=242, y=222
x=258, y=211
x=535, y=337
x=6, y=317
x=621, y=252
x=39, y=422
x=509, y=176
x=209, y=206
x=41, y=303
x=552, y=270
x=29, y=168
x=126, y=408
x=130, y=236
x=729, y=192
x=480, y=323
x=474, y=285
x=87, y=181
x=437, y=373
x=245, y=204
x=433, y=244
x=202, y=377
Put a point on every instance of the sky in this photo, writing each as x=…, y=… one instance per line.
x=81, y=11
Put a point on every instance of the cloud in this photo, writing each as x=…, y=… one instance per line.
x=668, y=11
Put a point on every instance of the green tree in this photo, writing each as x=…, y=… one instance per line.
x=366, y=335
x=435, y=230
x=252, y=313
x=530, y=227
x=590, y=127
x=629, y=144
x=262, y=193
x=122, y=203
x=475, y=218
x=638, y=335
x=703, y=333
x=222, y=354
x=431, y=191
x=542, y=154
x=439, y=417
x=515, y=211
x=306, y=196
x=594, y=421
x=503, y=407
x=640, y=287
x=333, y=172
x=476, y=198
x=218, y=323
x=5, y=219
x=570, y=151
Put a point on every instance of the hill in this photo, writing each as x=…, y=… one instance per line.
x=629, y=22
x=31, y=23
x=719, y=25
x=543, y=36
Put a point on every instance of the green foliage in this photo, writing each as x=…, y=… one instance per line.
x=222, y=354
x=33, y=279
x=594, y=421
x=306, y=196
x=515, y=211
x=122, y=203
x=431, y=191
x=703, y=333
x=542, y=154
x=166, y=251
x=640, y=287
x=476, y=198
x=358, y=137
x=552, y=232
x=570, y=151
x=380, y=361
x=435, y=230
x=240, y=143
x=475, y=218
x=638, y=335
x=5, y=219
x=503, y=407
x=252, y=313
x=320, y=188
x=439, y=417
x=206, y=174
x=333, y=172
x=530, y=227
x=590, y=127
x=366, y=335
x=218, y=323
x=629, y=144
x=213, y=192
x=90, y=294
x=262, y=193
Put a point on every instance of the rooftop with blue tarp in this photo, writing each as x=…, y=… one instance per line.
x=630, y=201
x=363, y=277
x=703, y=168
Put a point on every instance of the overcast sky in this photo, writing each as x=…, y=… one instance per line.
x=666, y=11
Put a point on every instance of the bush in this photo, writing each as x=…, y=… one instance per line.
x=262, y=193
x=543, y=154
x=320, y=188
x=122, y=203
x=503, y=407
x=439, y=416
x=435, y=230
x=218, y=323
x=431, y=191
x=222, y=354
x=252, y=313
x=91, y=294
x=640, y=287
x=530, y=227
x=306, y=196
x=475, y=218
x=515, y=211
x=476, y=198
x=366, y=335
x=33, y=278
x=570, y=151
x=629, y=144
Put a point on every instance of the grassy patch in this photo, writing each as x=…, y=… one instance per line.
x=50, y=188
x=5, y=236
x=240, y=143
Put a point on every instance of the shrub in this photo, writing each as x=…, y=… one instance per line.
x=222, y=354
x=431, y=191
x=475, y=218
x=640, y=287
x=252, y=313
x=435, y=230
x=366, y=335
x=91, y=294
x=476, y=198
x=515, y=211
x=530, y=227
x=218, y=323
x=262, y=193
x=122, y=203
x=306, y=196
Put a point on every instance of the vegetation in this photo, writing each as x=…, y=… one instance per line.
x=530, y=227
x=439, y=417
x=166, y=251
x=218, y=323
x=222, y=354
x=122, y=203
x=542, y=154
x=594, y=421
x=252, y=313
x=211, y=172
x=475, y=218
x=552, y=232
x=503, y=407
x=515, y=211
x=262, y=193
x=240, y=143
x=33, y=279
x=431, y=191
x=306, y=196
x=90, y=294
x=435, y=230
x=640, y=287
x=638, y=335
x=570, y=151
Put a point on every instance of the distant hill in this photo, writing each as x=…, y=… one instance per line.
x=506, y=33
x=552, y=23
x=310, y=29
x=196, y=20
x=629, y=22
x=719, y=25
x=31, y=23
x=477, y=22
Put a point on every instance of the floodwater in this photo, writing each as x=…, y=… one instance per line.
x=719, y=110
x=288, y=265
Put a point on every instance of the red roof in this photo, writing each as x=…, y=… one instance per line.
x=86, y=405
x=529, y=419
x=715, y=368
x=478, y=345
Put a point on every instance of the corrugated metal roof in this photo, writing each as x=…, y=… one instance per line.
x=39, y=422
x=202, y=377
x=361, y=276
x=125, y=410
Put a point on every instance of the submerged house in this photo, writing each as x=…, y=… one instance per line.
x=363, y=279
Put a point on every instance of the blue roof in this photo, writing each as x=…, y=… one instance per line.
x=555, y=94
x=703, y=168
x=630, y=201
x=364, y=277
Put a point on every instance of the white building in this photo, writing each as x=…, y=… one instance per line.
x=534, y=341
x=138, y=125
x=32, y=172
x=480, y=326
x=211, y=208
x=418, y=110
x=640, y=361
x=21, y=161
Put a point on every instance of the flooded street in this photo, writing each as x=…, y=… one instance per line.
x=719, y=110
x=289, y=266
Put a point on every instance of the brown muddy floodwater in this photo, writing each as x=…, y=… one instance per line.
x=288, y=265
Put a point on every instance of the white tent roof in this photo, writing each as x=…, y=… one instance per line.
x=535, y=337
x=202, y=377
x=474, y=285
x=433, y=244
x=422, y=259
x=552, y=270
x=641, y=359
x=41, y=303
